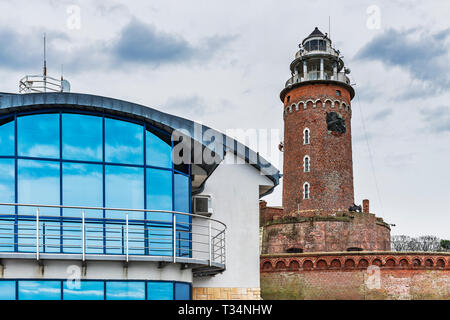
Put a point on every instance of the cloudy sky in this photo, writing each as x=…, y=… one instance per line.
x=223, y=63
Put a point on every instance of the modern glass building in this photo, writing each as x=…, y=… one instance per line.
x=93, y=204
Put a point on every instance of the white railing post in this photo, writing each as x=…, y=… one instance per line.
x=224, y=246
x=83, y=236
x=209, y=241
x=37, y=233
x=174, y=236
x=126, y=230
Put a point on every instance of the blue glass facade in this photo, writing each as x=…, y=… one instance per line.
x=66, y=157
x=93, y=290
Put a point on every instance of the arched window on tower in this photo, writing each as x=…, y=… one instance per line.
x=306, y=163
x=306, y=136
x=306, y=190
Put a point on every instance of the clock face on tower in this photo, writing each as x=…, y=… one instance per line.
x=335, y=122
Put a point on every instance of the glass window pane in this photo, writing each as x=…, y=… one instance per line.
x=82, y=137
x=159, y=153
x=159, y=189
x=181, y=193
x=124, y=188
x=7, y=290
x=125, y=290
x=7, y=186
x=26, y=238
x=83, y=186
x=38, y=183
x=159, y=291
x=7, y=137
x=124, y=142
x=7, y=235
x=72, y=237
x=39, y=290
x=94, y=237
x=182, y=291
x=159, y=197
x=38, y=136
x=49, y=236
x=83, y=290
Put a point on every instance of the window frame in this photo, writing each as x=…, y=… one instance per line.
x=306, y=191
x=306, y=163
x=306, y=136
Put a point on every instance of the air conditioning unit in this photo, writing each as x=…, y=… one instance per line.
x=202, y=205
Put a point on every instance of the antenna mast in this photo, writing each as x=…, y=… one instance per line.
x=329, y=27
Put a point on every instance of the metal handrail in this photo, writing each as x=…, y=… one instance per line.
x=185, y=240
x=340, y=76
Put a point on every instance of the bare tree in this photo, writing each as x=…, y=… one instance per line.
x=423, y=243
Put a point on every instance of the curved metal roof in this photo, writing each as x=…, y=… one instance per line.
x=17, y=102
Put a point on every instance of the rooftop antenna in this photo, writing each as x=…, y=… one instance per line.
x=329, y=27
x=43, y=83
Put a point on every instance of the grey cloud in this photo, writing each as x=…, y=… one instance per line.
x=137, y=43
x=21, y=51
x=437, y=119
x=193, y=106
x=425, y=56
x=143, y=43
x=382, y=114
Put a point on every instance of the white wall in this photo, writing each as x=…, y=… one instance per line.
x=235, y=200
x=102, y=270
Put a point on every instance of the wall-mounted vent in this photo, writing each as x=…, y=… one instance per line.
x=202, y=205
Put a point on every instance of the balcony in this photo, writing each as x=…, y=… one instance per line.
x=315, y=75
x=40, y=232
x=318, y=51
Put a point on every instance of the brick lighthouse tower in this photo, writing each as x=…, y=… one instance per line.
x=318, y=169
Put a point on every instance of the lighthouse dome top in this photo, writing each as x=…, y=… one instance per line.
x=315, y=34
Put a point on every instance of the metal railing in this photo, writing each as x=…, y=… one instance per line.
x=126, y=234
x=39, y=84
x=315, y=75
x=328, y=50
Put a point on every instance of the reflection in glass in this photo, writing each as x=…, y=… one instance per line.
x=38, y=136
x=38, y=183
x=82, y=137
x=181, y=193
x=7, y=195
x=72, y=237
x=181, y=204
x=159, y=197
x=39, y=290
x=159, y=291
x=49, y=236
x=182, y=291
x=7, y=290
x=94, y=237
x=7, y=137
x=7, y=186
x=159, y=191
x=82, y=186
x=86, y=290
x=159, y=153
x=123, y=189
x=125, y=290
x=123, y=142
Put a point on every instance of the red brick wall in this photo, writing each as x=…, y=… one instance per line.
x=331, y=173
x=347, y=230
x=268, y=213
x=346, y=276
